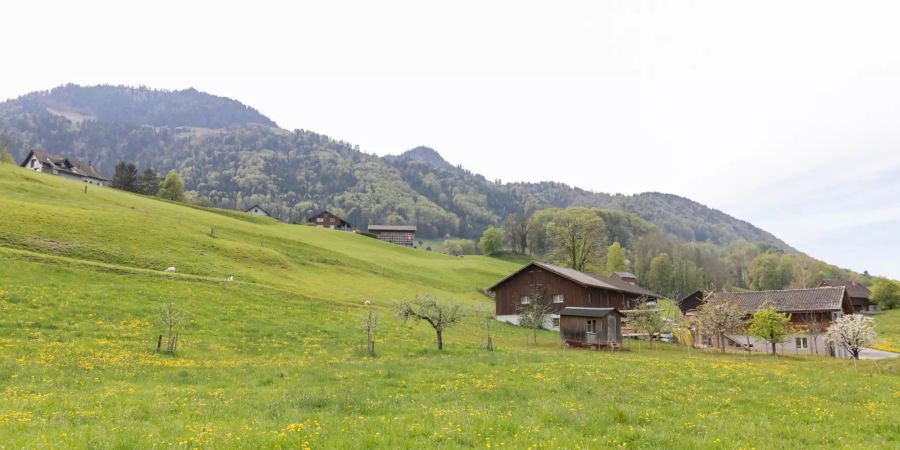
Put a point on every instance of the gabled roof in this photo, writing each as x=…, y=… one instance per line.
x=65, y=164
x=854, y=289
x=625, y=275
x=260, y=208
x=588, y=312
x=392, y=228
x=585, y=279
x=325, y=211
x=821, y=299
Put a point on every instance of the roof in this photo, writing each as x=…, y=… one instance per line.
x=325, y=211
x=793, y=300
x=260, y=208
x=392, y=228
x=587, y=280
x=854, y=289
x=625, y=275
x=588, y=312
x=65, y=164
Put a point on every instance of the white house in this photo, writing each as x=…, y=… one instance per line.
x=41, y=161
x=257, y=211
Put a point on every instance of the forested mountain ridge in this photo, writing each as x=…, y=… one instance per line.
x=236, y=157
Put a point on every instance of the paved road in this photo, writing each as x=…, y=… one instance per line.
x=871, y=353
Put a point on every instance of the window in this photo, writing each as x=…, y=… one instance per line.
x=556, y=322
x=802, y=343
x=558, y=298
x=591, y=326
x=525, y=300
x=32, y=163
x=320, y=219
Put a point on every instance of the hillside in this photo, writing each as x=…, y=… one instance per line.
x=271, y=359
x=233, y=155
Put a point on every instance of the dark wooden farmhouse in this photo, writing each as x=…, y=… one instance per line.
x=41, y=161
x=811, y=311
x=859, y=295
x=691, y=302
x=564, y=288
x=590, y=327
x=396, y=234
x=326, y=219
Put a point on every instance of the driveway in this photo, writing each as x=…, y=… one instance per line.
x=871, y=353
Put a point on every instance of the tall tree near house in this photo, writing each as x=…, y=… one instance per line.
x=661, y=274
x=770, y=325
x=534, y=314
x=852, y=333
x=515, y=232
x=719, y=317
x=647, y=317
x=577, y=235
x=125, y=177
x=615, y=258
x=886, y=293
x=438, y=314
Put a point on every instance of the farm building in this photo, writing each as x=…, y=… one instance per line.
x=811, y=311
x=564, y=288
x=256, y=210
x=590, y=327
x=859, y=295
x=326, y=219
x=691, y=302
x=41, y=161
x=396, y=234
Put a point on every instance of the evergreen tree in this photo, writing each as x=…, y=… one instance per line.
x=125, y=177
x=148, y=184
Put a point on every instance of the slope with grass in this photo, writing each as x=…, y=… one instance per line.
x=272, y=359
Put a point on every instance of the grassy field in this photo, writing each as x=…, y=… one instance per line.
x=272, y=359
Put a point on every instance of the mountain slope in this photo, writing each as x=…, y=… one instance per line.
x=235, y=156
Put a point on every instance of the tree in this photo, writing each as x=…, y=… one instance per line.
x=491, y=241
x=615, y=258
x=534, y=314
x=814, y=328
x=439, y=315
x=515, y=231
x=125, y=177
x=852, y=333
x=370, y=324
x=646, y=317
x=172, y=188
x=5, y=156
x=576, y=236
x=769, y=272
x=148, y=183
x=770, y=325
x=660, y=276
x=886, y=293
x=171, y=318
x=717, y=317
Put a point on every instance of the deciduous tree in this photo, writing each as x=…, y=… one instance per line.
x=770, y=325
x=646, y=317
x=534, y=314
x=172, y=188
x=717, y=317
x=576, y=236
x=438, y=314
x=852, y=333
x=615, y=258
x=886, y=293
x=491, y=241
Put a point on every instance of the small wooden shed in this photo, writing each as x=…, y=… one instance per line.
x=590, y=327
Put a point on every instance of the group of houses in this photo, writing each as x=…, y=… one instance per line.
x=593, y=310
x=74, y=169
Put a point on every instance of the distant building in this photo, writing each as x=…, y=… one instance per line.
x=396, y=234
x=691, y=302
x=627, y=277
x=565, y=288
x=326, y=219
x=256, y=210
x=590, y=327
x=859, y=295
x=41, y=161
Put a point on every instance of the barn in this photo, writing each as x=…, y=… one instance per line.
x=41, y=161
x=404, y=235
x=590, y=327
x=327, y=219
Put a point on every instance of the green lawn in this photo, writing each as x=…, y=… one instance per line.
x=887, y=325
x=272, y=360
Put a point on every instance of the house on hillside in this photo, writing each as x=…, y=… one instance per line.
x=256, y=210
x=73, y=169
x=689, y=303
x=404, y=235
x=564, y=288
x=811, y=311
x=590, y=327
x=326, y=219
x=859, y=295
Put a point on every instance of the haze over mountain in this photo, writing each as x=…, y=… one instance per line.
x=234, y=155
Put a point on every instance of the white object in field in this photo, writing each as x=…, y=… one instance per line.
x=170, y=269
x=230, y=278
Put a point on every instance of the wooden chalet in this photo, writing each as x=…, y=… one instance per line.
x=689, y=303
x=859, y=295
x=41, y=161
x=404, y=235
x=326, y=219
x=564, y=288
x=257, y=210
x=590, y=327
x=811, y=312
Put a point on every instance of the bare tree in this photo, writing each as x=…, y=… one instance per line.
x=171, y=318
x=439, y=315
x=370, y=324
x=487, y=343
x=718, y=317
x=646, y=317
x=515, y=229
x=814, y=328
x=534, y=313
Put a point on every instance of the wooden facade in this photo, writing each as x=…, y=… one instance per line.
x=590, y=327
x=404, y=235
x=858, y=293
x=326, y=219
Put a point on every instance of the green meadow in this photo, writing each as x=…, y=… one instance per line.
x=272, y=359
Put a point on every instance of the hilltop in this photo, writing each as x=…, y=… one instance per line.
x=237, y=157
x=272, y=358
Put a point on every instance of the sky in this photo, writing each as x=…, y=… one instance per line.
x=784, y=114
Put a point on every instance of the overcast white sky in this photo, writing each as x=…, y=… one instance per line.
x=782, y=113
